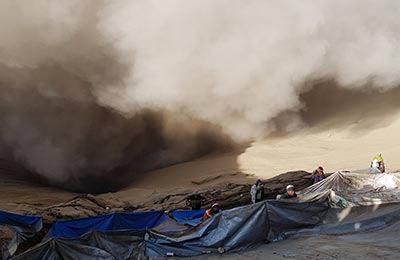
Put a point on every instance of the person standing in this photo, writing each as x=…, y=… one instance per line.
x=377, y=164
x=257, y=192
x=318, y=175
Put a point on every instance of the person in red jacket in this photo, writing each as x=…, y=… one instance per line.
x=211, y=211
x=318, y=175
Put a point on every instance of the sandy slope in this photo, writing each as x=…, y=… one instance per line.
x=351, y=148
x=195, y=175
x=335, y=149
x=18, y=194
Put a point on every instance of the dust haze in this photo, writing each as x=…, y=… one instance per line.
x=93, y=93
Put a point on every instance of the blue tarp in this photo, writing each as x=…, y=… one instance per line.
x=113, y=222
x=189, y=217
x=22, y=224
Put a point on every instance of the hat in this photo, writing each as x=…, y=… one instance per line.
x=215, y=204
x=289, y=187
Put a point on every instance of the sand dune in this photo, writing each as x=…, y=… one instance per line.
x=335, y=149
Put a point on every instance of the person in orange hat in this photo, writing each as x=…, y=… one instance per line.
x=211, y=211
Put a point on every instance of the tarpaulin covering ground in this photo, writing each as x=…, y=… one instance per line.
x=106, y=245
x=18, y=228
x=138, y=221
x=347, y=189
x=357, y=233
x=237, y=229
x=188, y=217
x=345, y=205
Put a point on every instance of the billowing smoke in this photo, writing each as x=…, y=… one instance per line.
x=90, y=90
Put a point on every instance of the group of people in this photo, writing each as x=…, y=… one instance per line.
x=256, y=193
x=257, y=190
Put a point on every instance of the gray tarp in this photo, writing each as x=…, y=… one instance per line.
x=120, y=244
x=115, y=245
x=236, y=229
x=354, y=220
x=354, y=240
x=348, y=189
x=62, y=249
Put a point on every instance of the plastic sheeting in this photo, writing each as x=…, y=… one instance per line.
x=23, y=224
x=359, y=220
x=351, y=181
x=189, y=217
x=60, y=249
x=22, y=227
x=137, y=221
x=231, y=231
x=236, y=229
x=349, y=189
x=106, y=245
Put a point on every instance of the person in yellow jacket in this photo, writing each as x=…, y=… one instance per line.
x=377, y=164
x=257, y=192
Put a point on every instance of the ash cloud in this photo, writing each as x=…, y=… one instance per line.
x=91, y=90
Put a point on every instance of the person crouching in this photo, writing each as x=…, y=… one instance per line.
x=290, y=193
x=211, y=211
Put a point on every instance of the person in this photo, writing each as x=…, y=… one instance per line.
x=318, y=175
x=214, y=209
x=194, y=201
x=377, y=164
x=290, y=193
x=257, y=192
